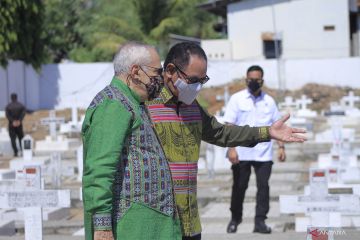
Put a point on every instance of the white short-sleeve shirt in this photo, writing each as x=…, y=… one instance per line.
x=244, y=109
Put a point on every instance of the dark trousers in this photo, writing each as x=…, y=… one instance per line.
x=196, y=237
x=241, y=175
x=16, y=132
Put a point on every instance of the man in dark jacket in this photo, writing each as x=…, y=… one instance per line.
x=15, y=113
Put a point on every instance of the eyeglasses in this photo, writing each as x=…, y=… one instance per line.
x=159, y=71
x=194, y=79
x=259, y=80
x=159, y=77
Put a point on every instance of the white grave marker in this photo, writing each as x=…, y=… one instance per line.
x=6, y=174
x=27, y=194
x=28, y=158
x=55, y=170
x=74, y=114
x=216, y=156
x=288, y=104
x=79, y=156
x=350, y=100
x=74, y=126
x=54, y=142
x=52, y=121
x=5, y=143
x=303, y=110
x=324, y=209
x=28, y=146
x=303, y=102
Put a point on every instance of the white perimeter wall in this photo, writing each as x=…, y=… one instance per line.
x=55, y=86
x=296, y=73
x=68, y=84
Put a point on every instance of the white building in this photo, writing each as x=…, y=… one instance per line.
x=297, y=28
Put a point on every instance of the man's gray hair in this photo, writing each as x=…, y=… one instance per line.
x=129, y=54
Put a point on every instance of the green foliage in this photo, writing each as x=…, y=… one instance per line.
x=42, y=31
x=184, y=18
x=21, y=23
x=151, y=12
x=60, y=32
x=106, y=25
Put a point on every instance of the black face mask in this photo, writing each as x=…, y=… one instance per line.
x=254, y=86
x=154, y=87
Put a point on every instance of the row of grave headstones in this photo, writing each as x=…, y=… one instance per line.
x=53, y=141
x=31, y=203
x=26, y=194
x=333, y=197
x=52, y=170
x=20, y=200
x=215, y=157
x=74, y=126
x=50, y=164
x=299, y=107
x=337, y=208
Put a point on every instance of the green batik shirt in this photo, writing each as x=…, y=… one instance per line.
x=180, y=129
x=127, y=184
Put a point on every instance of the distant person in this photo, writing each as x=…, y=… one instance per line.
x=127, y=187
x=15, y=113
x=252, y=107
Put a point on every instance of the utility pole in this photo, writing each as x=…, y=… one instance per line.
x=277, y=48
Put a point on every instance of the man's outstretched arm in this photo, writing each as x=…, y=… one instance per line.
x=231, y=136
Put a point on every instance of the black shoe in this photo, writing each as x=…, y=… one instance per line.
x=261, y=227
x=16, y=155
x=232, y=227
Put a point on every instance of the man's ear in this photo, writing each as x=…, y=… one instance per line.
x=134, y=70
x=170, y=71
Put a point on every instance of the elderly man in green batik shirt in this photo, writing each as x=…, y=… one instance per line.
x=181, y=123
x=127, y=185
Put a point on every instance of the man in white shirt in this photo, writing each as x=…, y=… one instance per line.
x=252, y=107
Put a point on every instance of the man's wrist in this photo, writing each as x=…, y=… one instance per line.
x=102, y=221
x=264, y=134
x=281, y=146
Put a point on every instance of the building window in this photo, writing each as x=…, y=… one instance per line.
x=270, y=48
x=329, y=28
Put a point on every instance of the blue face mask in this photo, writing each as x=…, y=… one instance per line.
x=187, y=92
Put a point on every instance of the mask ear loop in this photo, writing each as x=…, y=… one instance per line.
x=171, y=70
x=135, y=81
x=127, y=80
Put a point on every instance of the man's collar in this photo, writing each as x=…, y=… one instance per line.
x=119, y=84
x=166, y=95
x=250, y=95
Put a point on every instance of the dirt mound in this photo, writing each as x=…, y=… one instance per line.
x=321, y=95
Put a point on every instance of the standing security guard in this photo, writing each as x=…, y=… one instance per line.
x=15, y=113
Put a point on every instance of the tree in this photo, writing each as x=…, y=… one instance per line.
x=21, y=23
x=43, y=31
x=184, y=18
x=151, y=12
x=61, y=33
x=106, y=25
